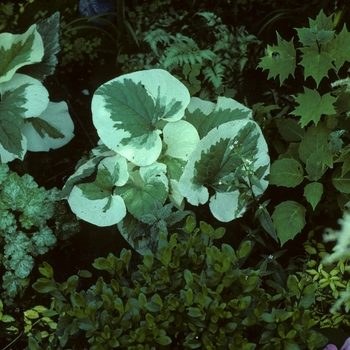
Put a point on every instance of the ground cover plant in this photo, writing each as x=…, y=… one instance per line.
x=170, y=157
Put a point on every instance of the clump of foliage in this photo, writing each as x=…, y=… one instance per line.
x=25, y=232
x=29, y=120
x=188, y=294
x=159, y=145
x=312, y=138
x=219, y=58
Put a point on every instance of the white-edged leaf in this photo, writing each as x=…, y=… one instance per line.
x=96, y=201
x=92, y=210
x=226, y=160
x=33, y=100
x=126, y=111
x=52, y=129
x=18, y=50
x=48, y=29
x=205, y=115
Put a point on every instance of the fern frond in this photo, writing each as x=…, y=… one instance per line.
x=215, y=74
x=211, y=18
x=182, y=52
x=157, y=36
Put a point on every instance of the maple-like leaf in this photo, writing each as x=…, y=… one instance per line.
x=322, y=22
x=341, y=48
x=280, y=59
x=316, y=64
x=312, y=105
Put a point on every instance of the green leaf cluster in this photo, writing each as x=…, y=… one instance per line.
x=197, y=58
x=188, y=294
x=28, y=120
x=157, y=146
x=25, y=228
x=312, y=137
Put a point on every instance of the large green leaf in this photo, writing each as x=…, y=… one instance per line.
x=126, y=111
x=18, y=50
x=289, y=220
x=312, y=106
x=145, y=187
x=233, y=161
x=205, y=115
x=286, y=172
x=280, y=60
x=316, y=64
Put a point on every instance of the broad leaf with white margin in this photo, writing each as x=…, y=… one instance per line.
x=205, y=115
x=126, y=111
x=96, y=202
x=233, y=161
x=180, y=138
x=18, y=50
x=52, y=129
x=21, y=97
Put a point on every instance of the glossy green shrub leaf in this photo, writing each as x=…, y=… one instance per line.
x=44, y=285
x=289, y=219
x=46, y=270
x=286, y=172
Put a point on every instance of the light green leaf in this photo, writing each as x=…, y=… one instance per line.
x=316, y=137
x=316, y=63
x=126, y=111
x=341, y=48
x=205, y=115
x=289, y=219
x=322, y=22
x=313, y=193
x=181, y=138
x=312, y=106
x=318, y=162
x=280, y=59
x=18, y=50
x=51, y=130
x=286, y=172
x=341, y=183
x=226, y=160
x=145, y=187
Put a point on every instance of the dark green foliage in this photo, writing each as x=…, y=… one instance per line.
x=189, y=294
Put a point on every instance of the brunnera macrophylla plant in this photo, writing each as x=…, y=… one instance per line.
x=28, y=119
x=158, y=145
x=316, y=130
